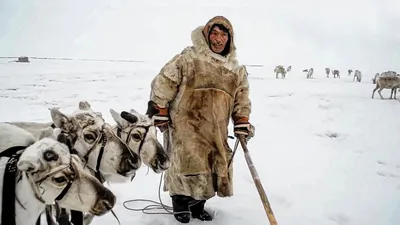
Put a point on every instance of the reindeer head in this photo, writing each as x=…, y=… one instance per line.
x=95, y=142
x=56, y=175
x=140, y=134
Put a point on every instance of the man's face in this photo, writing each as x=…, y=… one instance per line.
x=218, y=40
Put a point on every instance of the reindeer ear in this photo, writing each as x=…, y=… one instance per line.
x=62, y=121
x=121, y=122
x=134, y=111
x=84, y=105
x=46, y=132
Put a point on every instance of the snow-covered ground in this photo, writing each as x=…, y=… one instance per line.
x=325, y=151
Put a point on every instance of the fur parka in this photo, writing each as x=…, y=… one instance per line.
x=202, y=91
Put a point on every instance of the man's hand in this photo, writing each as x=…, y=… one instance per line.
x=243, y=127
x=159, y=115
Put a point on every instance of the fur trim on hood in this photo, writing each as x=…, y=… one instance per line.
x=200, y=41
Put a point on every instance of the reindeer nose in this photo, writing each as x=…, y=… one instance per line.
x=134, y=161
x=106, y=202
x=109, y=199
x=162, y=161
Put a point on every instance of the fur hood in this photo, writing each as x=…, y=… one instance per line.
x=200, y=43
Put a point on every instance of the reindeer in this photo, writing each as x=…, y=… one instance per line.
x=387, y=82
x=280, y=70
x=327, y=71
x=357, y=74
x=349, y=71
x=133, y=127
x=138, y=132
x=93, y=140
x=309, y=72
x=336, y=73
x=40, y=172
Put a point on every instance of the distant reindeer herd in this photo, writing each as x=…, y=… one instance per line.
x=280, y=70
x=384, y=80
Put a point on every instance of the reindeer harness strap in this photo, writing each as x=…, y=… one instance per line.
x=9, y=183
x=146, y=128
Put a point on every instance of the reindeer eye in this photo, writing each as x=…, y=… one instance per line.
x=90, y=137
x=137, y=136
x=50, y=155
x=59, y=180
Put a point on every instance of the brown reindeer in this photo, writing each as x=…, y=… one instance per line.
x=349, y=71
x=387, y=83
x=327, y=71
x=336, y=73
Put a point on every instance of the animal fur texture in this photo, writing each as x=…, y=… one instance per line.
x=202, y=90
x=386, y=83
x=357, y=75
x=280, y=70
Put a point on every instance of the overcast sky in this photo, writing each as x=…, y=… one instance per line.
x=358, y=34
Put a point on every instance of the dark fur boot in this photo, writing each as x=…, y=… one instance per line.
x=180, y=205
x=198, y=211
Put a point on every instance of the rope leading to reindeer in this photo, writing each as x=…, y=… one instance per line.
x=160, y=205
x=154, y=205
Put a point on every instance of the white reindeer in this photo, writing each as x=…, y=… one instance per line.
x=43, y=172
x=93, y=140
x=357, y=74
x=134, y=128
x=139, y=136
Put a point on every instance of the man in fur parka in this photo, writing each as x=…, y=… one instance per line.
x=192, y=99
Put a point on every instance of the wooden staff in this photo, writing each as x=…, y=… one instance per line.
x=257, y=182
